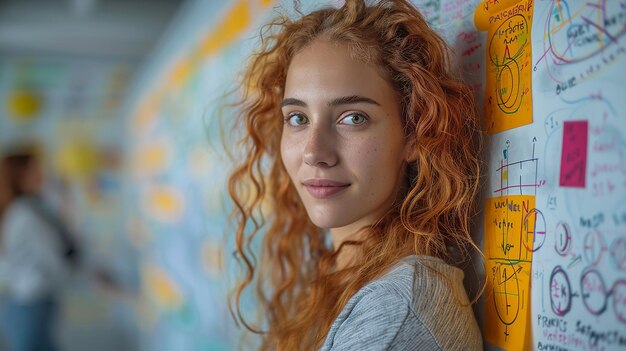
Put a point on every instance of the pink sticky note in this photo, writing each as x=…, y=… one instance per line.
x=574, y=154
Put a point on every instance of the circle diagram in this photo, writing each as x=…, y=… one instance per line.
x=562, y=239
x=593, y=291
x=560, y=292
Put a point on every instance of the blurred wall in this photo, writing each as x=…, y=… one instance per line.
x=71, y=109
x=176, y=208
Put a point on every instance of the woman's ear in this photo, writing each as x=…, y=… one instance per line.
x=410, y=149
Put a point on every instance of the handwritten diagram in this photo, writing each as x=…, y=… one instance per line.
x=578, y=85
x=576, y=31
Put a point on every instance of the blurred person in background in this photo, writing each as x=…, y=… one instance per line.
x=37, y=254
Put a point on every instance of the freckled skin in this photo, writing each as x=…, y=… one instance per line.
x=370, y=156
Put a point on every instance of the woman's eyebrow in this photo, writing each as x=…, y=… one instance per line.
x=292, y=101
x=354, y=99
x=344, y=100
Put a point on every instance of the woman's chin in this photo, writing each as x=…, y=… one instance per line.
x=323, y=223
x=326, y=221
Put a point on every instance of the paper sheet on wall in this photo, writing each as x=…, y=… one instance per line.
x=574, y=154
x=509, y=240
x=508, y=95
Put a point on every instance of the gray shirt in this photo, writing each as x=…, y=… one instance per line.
x=412, y=307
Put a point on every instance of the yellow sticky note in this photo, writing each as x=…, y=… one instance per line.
x=508, y=97
x=487, y=8
x=509, y=228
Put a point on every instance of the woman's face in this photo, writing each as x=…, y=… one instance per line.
x=342, y=143
x=31, y=181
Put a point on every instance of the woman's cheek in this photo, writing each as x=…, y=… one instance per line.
x=290, y=154
x=378, y=163
x=366, y=155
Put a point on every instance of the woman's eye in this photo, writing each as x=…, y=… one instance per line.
x=296, y=119
x=354, y=119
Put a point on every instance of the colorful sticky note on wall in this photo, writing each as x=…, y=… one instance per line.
x=574, y=154
x=24, y=105
x=77, y=160
x=161, y=287
x=509, y=241
x=508, y=98
x=233, y=24
x=164, y=203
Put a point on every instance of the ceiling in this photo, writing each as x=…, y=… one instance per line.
x=123, y=29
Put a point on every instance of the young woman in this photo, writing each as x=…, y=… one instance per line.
x=360, y=171
x=36, y=251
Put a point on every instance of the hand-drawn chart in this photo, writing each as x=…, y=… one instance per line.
x=517, y=177
x=514, y=229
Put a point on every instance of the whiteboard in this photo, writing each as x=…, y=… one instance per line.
x=554, y=215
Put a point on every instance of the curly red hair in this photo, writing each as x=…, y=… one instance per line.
x=298, y=283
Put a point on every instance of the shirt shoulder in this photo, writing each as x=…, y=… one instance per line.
x=21, y=215
x=377, y=317
x=440, y=301
x=410, y=305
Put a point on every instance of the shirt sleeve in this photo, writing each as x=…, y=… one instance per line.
x=379, y=319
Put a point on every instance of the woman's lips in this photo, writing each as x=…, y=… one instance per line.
x=324, y=188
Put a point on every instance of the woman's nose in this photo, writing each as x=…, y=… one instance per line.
x=320, y=148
